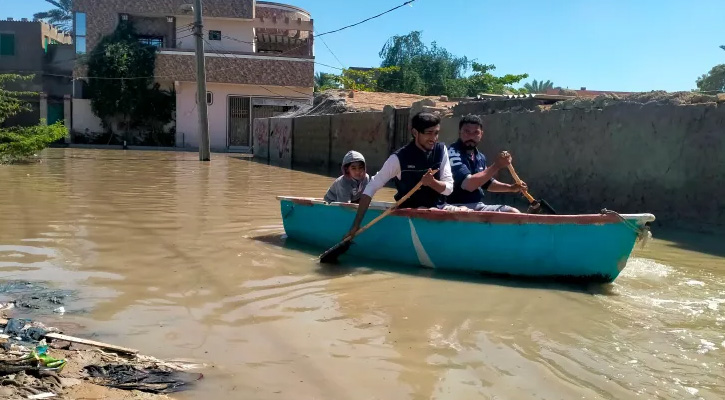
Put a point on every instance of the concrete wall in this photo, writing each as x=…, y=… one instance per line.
x=239, y=29
x=280, y=141
x=84, y=121
x=260, y=138
x=662, y=159
x=312, y=141
x=187, y=115
x=363, y=132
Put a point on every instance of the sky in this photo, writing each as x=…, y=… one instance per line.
x=617, y=45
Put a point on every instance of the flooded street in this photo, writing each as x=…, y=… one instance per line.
x=181, y=259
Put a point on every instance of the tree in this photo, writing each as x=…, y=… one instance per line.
x=19, y=143
x=482, y=81
x=539, y=86
x=425, y=70
x=713, y=81
x=11, y=102
x=324, y=81
x=433, y=70
x=121, y=83
x=61, y=16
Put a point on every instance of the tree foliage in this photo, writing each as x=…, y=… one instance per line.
x=713, y=81
x=61, y=16
x=121, y=83
x=539, y=86
x=324, y=81
x=11, y=102
x=410, y=66
x=19, y=143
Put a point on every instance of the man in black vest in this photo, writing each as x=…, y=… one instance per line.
x=411, y=164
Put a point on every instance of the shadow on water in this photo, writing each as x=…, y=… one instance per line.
x=358, y=267
x=708, y=243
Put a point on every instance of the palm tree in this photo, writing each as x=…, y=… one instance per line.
x=61, y=16
x=539, y=86
x=324, y=81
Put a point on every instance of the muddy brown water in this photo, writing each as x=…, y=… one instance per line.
x=186, y=260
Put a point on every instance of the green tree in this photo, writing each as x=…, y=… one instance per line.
x=713, y=81
x=425, y=70
x=482, y=81
x=433, y=70
x=324, y=81
x=363, y=80
x=539, y=86
x=19, y=143
x=61, y=16
x=11, y=101
x=121, y=83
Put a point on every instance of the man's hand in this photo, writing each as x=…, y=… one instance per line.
x=351, y=232
x=503, y=160
x=519, y=187
x=428, y=179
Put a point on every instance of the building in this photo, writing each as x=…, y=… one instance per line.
x=259, y=59
x=39, y=49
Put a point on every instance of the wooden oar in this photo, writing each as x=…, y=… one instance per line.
x=331, y=255
x=535, y=204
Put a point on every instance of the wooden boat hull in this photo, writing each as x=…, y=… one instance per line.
x=582, y=247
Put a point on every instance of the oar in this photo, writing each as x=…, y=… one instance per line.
x=535, y=204
x=331, y=255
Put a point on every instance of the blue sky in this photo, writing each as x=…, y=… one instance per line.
x=627, y=45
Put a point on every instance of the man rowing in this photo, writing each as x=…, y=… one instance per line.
x=413, y=163
x=470, y=174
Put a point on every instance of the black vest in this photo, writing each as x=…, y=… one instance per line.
x=414, y=163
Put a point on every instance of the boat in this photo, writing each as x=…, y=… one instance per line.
x=582, y=247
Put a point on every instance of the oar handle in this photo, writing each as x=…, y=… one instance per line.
x=389, y=210
x=526, y=194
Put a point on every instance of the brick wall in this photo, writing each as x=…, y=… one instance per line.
x=238, y=70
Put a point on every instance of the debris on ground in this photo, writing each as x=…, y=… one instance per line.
x=35, y=365
x=654, y=97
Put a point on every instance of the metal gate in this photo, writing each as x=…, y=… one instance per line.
x=268, y=111
x=55, y=112
x=239, y=121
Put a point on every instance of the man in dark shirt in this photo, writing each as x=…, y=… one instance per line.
x=470, y=174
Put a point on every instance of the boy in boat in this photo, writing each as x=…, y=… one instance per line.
x=350, y=185
x=470, y=174
x=411, y=164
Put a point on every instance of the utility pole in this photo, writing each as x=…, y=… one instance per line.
x=201, y=84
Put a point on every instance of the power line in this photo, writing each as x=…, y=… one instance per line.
x=367, y=19
x=331, y=52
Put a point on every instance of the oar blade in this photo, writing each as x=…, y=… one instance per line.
x=548, y=207
x=331, y=255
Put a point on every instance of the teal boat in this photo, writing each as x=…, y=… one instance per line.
x=589, y=247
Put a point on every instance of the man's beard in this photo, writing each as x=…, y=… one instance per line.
x=470, y=145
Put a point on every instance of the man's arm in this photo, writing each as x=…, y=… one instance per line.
x=390, y=169
x=500, y=187
x=478, y=179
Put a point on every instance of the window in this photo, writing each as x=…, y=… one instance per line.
x=7, y=44
x=156, y=41
x=80, y=32
x=45, y=44
x=215, y=35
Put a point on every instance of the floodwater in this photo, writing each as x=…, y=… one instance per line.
x=181, y=259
